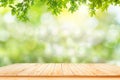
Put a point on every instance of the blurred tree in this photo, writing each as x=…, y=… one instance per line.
x=48, y=42
x=20, y=8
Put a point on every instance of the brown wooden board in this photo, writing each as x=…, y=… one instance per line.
x=62, y=71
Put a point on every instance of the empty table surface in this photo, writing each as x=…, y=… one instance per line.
x=62, y=71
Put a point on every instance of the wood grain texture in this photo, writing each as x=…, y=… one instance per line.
x=63, y=71
x=59, y=78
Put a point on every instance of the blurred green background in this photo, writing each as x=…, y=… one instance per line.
x=66, y=38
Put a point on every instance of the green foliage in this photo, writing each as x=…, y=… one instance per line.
x=20, y=9
x=4, y=3
x=19, y=44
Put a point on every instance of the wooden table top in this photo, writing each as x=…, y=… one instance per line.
x=62, y=69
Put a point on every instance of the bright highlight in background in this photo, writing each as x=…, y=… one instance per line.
x=75, y=38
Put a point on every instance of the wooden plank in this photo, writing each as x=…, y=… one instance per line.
x=66, y=69
x=76, y=72
x=30, y=70
x=49, y=70
x=8, y=70
x=59, y=78
x=63, y=69
x=57, y=70
x=27, y=70
x=38, y=69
